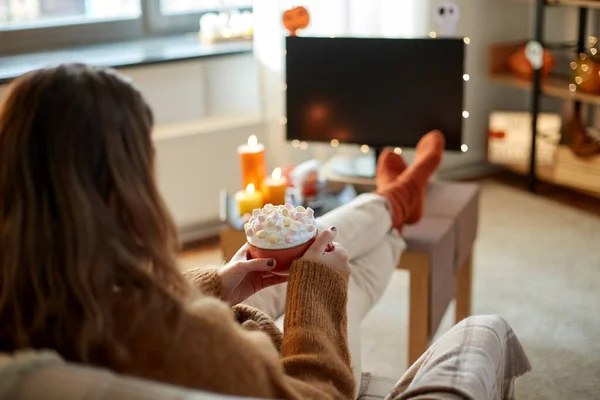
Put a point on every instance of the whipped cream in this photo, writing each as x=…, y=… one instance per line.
x=280, y=227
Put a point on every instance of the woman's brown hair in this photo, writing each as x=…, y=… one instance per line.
x=81, y=218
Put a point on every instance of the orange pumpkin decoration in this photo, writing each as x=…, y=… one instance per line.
x=296, y=18
x=520, y=65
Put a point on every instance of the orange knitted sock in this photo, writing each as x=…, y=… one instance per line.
x=406, y=193
x=389, y=166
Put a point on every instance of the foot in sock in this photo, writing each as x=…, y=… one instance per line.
x=389, y=166
x=406, y=193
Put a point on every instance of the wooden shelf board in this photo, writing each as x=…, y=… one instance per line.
x=551, y=86
x=569, y=3
x=544, y=173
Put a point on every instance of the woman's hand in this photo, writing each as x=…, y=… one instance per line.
x=241, y=278
x=327, y=252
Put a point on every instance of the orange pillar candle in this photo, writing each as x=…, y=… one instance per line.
x=274, y=188
x=249, y=199
x=252, y=161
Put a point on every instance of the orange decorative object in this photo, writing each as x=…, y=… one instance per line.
x=310, y=185
x=274, y=188
x=287, y=172
x=283, y=257
x=586, y=73
x=520, y=65
x=296, y=18
x=252, y=161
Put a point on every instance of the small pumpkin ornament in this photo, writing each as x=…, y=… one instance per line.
x=521, y=67
x=586, y=69
x=296, y=18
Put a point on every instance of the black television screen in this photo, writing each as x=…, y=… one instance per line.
x=379, y=92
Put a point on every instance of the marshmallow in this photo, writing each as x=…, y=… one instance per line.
x=276, y=216
x=274, y=239
x=280, y=227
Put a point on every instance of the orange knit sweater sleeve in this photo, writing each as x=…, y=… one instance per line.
x=213, y=352
x=205, y=280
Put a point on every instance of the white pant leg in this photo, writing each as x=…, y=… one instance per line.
x=361, y=226
x=371, y=274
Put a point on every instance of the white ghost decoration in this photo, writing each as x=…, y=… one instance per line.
x=535, y=54
x=446, y=15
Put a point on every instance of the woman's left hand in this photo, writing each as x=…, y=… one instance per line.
x=241, y=278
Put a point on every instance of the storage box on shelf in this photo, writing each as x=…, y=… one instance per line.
x=509, y=142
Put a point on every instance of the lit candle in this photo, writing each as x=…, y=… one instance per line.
x=252, y=161
x=274, y=188
x=249, y=199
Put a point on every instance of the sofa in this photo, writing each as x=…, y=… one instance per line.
x=478, y=359
x=44, y=375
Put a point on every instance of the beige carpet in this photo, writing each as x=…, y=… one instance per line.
x=537, y=264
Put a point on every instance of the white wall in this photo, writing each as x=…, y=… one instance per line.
x=484, y=22
x=204, y=109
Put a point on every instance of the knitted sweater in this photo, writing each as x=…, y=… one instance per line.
x=226, y=351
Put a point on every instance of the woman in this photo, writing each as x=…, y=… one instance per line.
x=88, y=254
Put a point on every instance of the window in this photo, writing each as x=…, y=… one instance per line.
x=30, y=25
x=169, y=7
x=31, y=13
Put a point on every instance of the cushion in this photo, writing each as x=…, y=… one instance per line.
x=459, y=202
x=43, y=375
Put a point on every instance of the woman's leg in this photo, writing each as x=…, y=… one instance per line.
x=479, y=358
x=362, y=225
x=371, y=274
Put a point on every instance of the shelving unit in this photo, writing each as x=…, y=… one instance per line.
x=568, y=3
x=553, y=86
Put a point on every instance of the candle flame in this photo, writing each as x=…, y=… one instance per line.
x=276, y=173
x=250, y=188
x=252, y=141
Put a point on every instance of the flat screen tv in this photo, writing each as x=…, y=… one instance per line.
x=379, y=92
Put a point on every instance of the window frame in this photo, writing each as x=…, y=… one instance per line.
x=151, y=22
